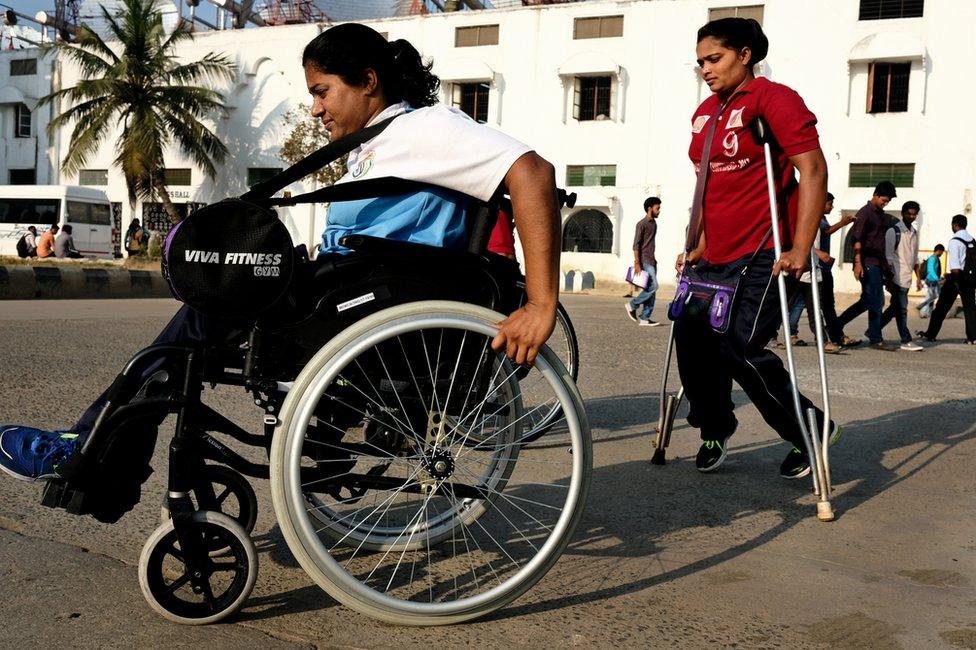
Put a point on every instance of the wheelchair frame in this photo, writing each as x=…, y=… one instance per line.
x=198, y=532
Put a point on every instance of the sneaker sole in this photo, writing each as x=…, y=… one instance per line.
x=19, y=477
x=802, y=474
x=630, y=315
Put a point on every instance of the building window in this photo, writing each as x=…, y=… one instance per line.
x=476, y=35
x=598, y=27
x=93, y=177
x=22, y=126
x=583, y=175
x=882, y=9
x=888, y=87
x=36, y=211
x=588, y=231
x=751, y=11
x=591, y=98
x=472, y=99
x=23, y=177
x=177, y=176
x=22, y=67
x=257, y=175
x=870, y=174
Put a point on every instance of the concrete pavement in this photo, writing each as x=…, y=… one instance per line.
x=663, y=556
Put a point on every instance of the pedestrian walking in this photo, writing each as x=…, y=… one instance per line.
x=901, y=252
x=960, y=281
x=734, y=247
x=871, y=264
x=932, y=274
x=640, y=308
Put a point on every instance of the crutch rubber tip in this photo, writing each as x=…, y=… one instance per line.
x=824, y=511
x=658, y=457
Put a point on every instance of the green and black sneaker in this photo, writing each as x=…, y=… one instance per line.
x=711, y=455
x=795, y=465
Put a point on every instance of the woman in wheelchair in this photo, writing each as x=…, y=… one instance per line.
x=358, y=79
x=397, y=400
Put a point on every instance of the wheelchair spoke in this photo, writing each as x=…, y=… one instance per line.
x=515, y=505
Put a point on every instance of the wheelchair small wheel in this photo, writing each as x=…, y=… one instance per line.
x=376, y=433
x=223, y=584
x=221, y=489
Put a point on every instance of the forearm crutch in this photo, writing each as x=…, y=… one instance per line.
x=667, y=408
x=816, y=447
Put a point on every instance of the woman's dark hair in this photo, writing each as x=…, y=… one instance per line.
x=738, y=33
x=348, y=50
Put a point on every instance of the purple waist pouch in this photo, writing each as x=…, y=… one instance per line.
x=710, y=301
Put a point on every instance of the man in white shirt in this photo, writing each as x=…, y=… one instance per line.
x=956, y=284
x=901, y=252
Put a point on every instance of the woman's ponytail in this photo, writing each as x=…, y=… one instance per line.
x=411, y=79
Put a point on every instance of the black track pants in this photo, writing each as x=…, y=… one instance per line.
x=709, y=362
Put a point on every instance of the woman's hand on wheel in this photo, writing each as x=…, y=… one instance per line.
x=792, y=261
x=524, y=332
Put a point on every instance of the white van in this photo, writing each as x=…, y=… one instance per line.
x=87, y=209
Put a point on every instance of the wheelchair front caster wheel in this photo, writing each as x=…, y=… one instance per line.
x=196, y=588
x=223, y=490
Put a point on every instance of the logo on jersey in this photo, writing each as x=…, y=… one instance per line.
x=731, y=144
x=699, y=123
x=735, y=119
x=364, y=164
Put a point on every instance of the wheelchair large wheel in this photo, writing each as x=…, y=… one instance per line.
x=377, y=427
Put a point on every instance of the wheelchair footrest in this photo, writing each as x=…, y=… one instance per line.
x=58, y=494
x=104, y=498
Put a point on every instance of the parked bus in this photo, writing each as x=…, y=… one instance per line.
x=88, y=210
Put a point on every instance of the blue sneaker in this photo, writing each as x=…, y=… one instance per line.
x=30, y=454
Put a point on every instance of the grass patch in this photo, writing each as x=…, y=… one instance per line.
x=138, y=263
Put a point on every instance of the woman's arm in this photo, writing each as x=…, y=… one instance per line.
x=531, y=183
x=812, y=195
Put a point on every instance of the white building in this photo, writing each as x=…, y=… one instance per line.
x=605, y=90
x=27, y=156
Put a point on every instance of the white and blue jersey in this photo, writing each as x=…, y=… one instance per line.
x=436, y=144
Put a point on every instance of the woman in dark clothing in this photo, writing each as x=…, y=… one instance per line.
x=734, y=209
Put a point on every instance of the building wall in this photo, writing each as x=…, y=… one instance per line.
x=36, y=151
x=818, y=48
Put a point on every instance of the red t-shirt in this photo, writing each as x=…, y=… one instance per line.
x=736, y=204
x=502, y=240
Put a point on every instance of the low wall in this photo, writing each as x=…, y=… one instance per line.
x=54, y=282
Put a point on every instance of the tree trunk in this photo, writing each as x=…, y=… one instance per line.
x=160, y=188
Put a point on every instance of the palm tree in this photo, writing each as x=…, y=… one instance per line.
x=138, y=83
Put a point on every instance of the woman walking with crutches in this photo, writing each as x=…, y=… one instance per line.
x=727, y=306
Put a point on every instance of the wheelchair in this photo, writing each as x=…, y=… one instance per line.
x=417, y=476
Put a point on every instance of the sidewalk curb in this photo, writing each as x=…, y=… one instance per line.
x=49, y=282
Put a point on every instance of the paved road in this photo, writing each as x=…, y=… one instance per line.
x=664, y=556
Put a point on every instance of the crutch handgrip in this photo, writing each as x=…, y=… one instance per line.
x=761, y=131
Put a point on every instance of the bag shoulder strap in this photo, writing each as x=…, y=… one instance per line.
x=315, y=161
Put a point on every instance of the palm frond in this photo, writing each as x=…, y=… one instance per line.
x=212, y=67
x=87, y=136
x=196, y=141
